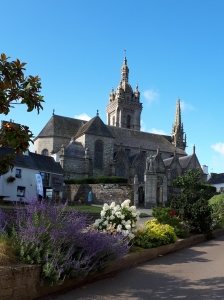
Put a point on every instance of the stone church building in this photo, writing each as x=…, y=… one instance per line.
x=92, y=149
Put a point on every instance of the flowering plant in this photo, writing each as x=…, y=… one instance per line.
x=118, y=219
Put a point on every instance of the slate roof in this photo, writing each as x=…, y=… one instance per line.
x=184, y=161
x=95, y=126
x=34, y=161
x=134, y=138
x=61, y=126
x=216, y=178
x=75, y=149
x=168, y=161
x=132, y=157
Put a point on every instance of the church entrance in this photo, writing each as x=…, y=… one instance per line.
x=141, y=196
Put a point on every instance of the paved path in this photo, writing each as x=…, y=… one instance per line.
x=193, y=273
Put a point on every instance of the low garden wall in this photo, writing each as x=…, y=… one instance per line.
x=21, y=282
x=101, y=193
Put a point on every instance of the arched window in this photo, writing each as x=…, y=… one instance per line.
x=98, y=154
x=174, y=174
x=45, y=152
x=139, y=171
x=128, y=121
x=120, y=169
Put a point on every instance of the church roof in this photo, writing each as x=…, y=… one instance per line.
x=75, y=149
x=184, y=161
x=61, y=126
x=95, y=126
x=168, y=161
x=134, y=138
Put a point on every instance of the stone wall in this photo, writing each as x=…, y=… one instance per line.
x=101, y=193
x=19, y=282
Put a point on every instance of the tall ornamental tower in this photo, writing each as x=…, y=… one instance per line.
x=178, y=135
x=124, y=108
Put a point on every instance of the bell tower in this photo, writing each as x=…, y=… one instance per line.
x=178, y=135
x=124, y=108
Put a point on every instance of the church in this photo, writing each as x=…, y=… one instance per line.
x=119, y=148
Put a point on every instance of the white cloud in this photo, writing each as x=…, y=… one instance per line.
x=143, y=127
x=82, y=116
x=186, y=106
x=157, y=131
x=218, y=147
x=151, y=96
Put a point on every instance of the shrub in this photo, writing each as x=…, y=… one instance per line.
x=192, y=204
x=154, y=235
x=7, y=252
x=61, y=243
x=217, y=205
x=118, y=219
x=166, y=215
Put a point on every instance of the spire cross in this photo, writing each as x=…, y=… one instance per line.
x=124, y=52
x=97, y=112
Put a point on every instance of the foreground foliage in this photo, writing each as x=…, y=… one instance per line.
x=61, y=243
x=118, y=219
x=154, y=235
x=192, y=204
x=15, y=88
x=217, y=205
x=166, y=215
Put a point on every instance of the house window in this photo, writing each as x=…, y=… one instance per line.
x=45, y=178
x=45, y=152
x=21, y=191
x=18, y=173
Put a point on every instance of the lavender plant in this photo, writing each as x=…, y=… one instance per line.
x=60, y=242
x=3, y=221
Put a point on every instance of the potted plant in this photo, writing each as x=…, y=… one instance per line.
x=11, y=179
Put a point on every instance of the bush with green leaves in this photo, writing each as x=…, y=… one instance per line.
x=154, y=234
x=166, y=215
x=192, y=204
x=217, y=205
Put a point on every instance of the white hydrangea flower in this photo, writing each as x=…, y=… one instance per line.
x=122, y=217
x=102, y=213
x=112, y=205
x=105, y=222
x=133, y=208
x=112, y=217
x=128, y=227
x=125, y=203
x=106, y=206
x=119, y=228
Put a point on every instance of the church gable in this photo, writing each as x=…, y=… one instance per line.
x=159, y=165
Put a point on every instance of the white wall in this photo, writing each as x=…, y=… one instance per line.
x=27, y=180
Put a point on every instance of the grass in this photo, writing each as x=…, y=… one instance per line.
x=143, y=215
x=85, y=208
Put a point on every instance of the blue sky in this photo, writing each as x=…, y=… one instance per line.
x=174, y=49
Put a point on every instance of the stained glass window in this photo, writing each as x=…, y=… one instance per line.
x=139, y=171
x=98, y=154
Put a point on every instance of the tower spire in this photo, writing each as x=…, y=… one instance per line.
x=178, y=137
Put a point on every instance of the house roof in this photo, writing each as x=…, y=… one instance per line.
x=134, y=138
x=61, y=126
x=34, y=161
x=216, y=178
x=95, y=126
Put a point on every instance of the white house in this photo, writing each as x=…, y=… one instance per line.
x=21, y=183
x=217, y=180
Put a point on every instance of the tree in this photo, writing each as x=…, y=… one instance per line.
x=15, y=88
x=192, y=204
